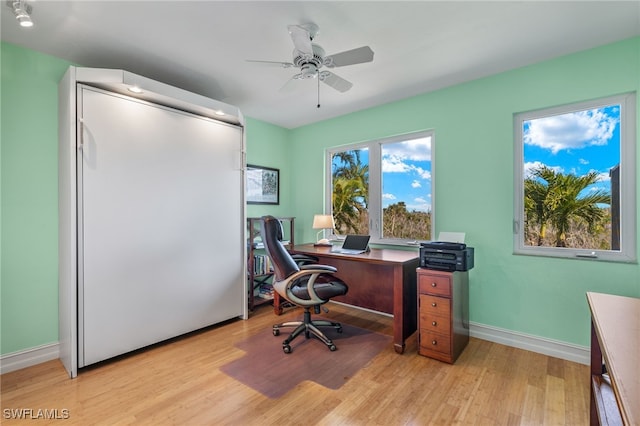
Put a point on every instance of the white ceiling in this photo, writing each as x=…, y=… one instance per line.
x=419, y=46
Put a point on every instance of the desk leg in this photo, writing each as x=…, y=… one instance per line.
x=398, y=310
x=404, y=304
x=277, y=304
x=596, y=371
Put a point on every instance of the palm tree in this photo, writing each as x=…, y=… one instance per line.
x=539, y=199
x=554, y=199
x=571, y=207
x=347, y=209
x=350, y=192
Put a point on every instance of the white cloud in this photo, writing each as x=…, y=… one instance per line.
x=537, y=164
x=424, y=174
x=388, y=197
x=571, y=131
x=414, y=149
x=394, y=164
x=583, y=161
x=416, y=184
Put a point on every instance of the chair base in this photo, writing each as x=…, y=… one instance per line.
x=310, y=328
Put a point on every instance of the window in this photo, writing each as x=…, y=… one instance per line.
x=383, y=188
x=575, y=180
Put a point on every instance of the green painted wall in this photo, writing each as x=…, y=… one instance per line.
x=267, y=145
x=474, y=153
x=474, y=190
x=29, y=293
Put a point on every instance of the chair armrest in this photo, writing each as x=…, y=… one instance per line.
x=314, y=271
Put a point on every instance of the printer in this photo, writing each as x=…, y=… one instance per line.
x=446, y=256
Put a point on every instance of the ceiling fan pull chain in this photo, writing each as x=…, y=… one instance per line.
x=318, y=90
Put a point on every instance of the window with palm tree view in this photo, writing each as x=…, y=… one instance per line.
x=383, y=188
x=575, y=184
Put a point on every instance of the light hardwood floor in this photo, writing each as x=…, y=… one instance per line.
x=180, y=383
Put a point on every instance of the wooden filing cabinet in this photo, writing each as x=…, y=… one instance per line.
x=443, y=313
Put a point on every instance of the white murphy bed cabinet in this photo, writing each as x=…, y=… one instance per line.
x=151, y=214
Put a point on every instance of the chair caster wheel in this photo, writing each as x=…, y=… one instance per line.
x=332, y=348
x=286, y=349
x=276, y=331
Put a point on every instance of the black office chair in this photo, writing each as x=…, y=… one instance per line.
x=300, y=259
x=307, y=285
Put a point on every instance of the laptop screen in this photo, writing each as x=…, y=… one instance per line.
x=356, y=242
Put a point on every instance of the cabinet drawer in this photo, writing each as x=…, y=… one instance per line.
x=430, y=341
x=435, y=284
x=435, y=323
x=434, y=305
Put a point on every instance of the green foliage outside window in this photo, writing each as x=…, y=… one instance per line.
x=557, y=213
x=350, y=193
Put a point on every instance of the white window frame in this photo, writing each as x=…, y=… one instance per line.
x=375, y=183
x=628, y=237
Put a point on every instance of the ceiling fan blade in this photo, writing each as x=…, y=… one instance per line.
x=301, y=39
x=349, y=57
x=281, y=64
x=290, y=85
x=338, y=83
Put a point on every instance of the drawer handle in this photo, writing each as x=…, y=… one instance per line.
x=434, y=342
x=433, y=284
x=434, y=304
x=434, y=323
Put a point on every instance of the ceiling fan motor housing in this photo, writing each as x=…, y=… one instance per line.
x=308, y=71
x=309, y=65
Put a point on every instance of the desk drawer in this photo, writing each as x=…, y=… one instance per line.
x=434, y=342
x=435, y=284
x=434, y=305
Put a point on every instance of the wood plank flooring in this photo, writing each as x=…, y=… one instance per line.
x=180, y=383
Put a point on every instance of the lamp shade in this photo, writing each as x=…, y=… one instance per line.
x=323, y=221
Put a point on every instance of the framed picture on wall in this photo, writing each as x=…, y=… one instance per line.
x=263, y=185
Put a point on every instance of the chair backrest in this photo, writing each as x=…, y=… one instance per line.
x=283, y=263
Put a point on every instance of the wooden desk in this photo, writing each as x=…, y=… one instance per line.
x=615, y=338
x=383, y=280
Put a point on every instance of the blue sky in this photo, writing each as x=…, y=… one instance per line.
x=575, y=143
x=406, y=173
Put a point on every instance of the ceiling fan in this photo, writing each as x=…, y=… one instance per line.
x=310, y=58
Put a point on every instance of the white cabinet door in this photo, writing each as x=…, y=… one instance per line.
x=160, y=224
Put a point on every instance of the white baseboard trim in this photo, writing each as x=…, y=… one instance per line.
x=542, y=345
x=29, y=357
x=555, y=348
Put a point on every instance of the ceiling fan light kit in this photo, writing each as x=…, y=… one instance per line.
x=310, y=58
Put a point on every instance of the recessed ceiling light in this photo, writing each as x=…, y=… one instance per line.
x=135, y=89
x=220, y=112
x=22, y=11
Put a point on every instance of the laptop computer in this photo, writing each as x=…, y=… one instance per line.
x=353, y=244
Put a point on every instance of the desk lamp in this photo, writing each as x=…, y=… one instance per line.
x=322, y=222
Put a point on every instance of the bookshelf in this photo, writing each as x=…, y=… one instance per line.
x=259, y=271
